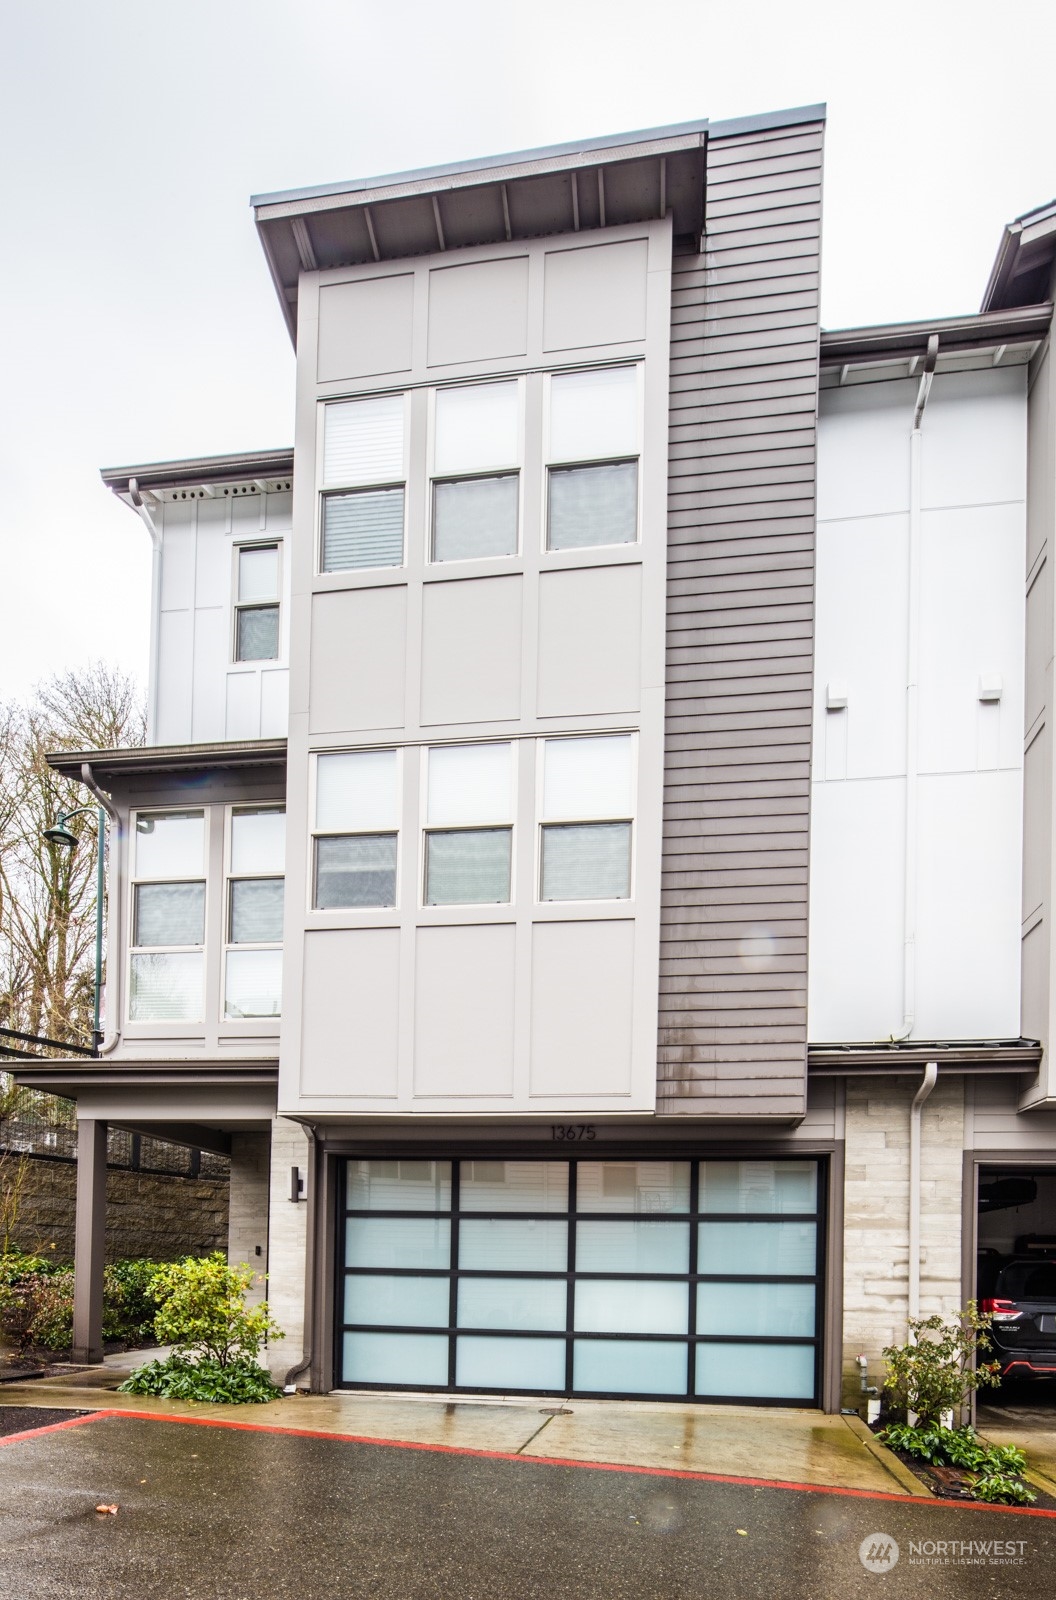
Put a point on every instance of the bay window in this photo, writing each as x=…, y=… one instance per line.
x=469, y=825
x=364, y=483
x=356, y=830
x=167, y=964
x=587, y=818
x=592, y=474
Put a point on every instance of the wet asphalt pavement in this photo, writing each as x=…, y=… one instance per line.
x=218, y=1514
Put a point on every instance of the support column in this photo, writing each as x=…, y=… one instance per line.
x=90, y=1244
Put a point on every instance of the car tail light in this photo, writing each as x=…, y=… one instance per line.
x=1002, y=1310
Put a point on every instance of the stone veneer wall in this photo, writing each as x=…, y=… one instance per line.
x=247, y=1228
x=876, y=1214
x=156, y=1215
x=287, y=1239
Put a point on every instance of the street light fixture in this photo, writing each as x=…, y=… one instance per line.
x=60, y=836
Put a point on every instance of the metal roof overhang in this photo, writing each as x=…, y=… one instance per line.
x=72, y=1077
x=875, y=1059
x=565, y=188
x=169, y=758
x=1022, y=270
x=895, y=350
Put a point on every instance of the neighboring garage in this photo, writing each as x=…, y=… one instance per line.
x=676, y=1279
x=1016, y=1269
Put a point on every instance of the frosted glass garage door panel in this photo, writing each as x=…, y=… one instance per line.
x=395, y=1358
x=358, y=658
x=365, y=327
x=405, y=1242
x=350, y=973
x=756, y=1371
x=590, y=629
x=398, y=1302
x=620, y=1307
x=582, y=1008
x=463, y=1027
x=531, y=1245
x=398, y=1185
x=595, y=295
x=509, y=1363
x=632, y=1247
x=746, y=1248
x=650, y=1187
x=512, y=1303
x=762, y=1309
x=765, y=1186
x=513, y=1186
x=617, y=1366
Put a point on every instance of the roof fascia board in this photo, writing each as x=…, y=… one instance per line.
x=768, y=120
x=964, y=333
x=247, y=466
x=168, y=758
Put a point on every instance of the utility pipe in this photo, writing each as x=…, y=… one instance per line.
x=113, y=999
x=931, y=1074
x=140, y=505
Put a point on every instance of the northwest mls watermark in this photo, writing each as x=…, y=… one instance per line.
x=879, y=1552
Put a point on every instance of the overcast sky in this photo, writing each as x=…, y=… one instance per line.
x=139, y=320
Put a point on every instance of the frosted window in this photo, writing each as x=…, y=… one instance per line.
x=621, y=1307
x=470, y=783
x=757, y=1247
x=513, y=1245
x=256, y=911
x=258, y=634
x=258, y=573
x=758, y=1186
x=482, y=1363
x=357, y=791
x=586, y=861
x=395, y=1358
x=476, y=428
x=632, y=1247
x=170, y=844
x=169, y=913
x=756, y=1371
x=253, y=984
x=363, y=441
x=258, y=841
x=591, y=506
x=594, y=414
x=513, y=1186
x=469, y=868
x=475, y=518
x=398, y=1302
x=399, y=1185
x=397, y=1242
x=166, y=988
x=756, y=1308
x=623, y=1366
x=363, y=530
x=358, y=872
x=643, y=1186
x=512, y=1303
x=588, y=777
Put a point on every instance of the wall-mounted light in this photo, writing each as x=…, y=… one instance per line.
x=296, y=1184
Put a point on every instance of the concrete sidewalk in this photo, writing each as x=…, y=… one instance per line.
x=769, y=1445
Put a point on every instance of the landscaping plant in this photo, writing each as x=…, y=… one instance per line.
x=937, y=1370
x=216, y=1337
x=997, y=1469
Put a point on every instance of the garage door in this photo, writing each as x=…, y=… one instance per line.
x=676, y=1279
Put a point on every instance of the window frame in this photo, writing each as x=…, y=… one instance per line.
x=315, y=833
x=238, y=606
x=514, y=469
x=326, y=490
x=542, y=821
x=230, y=877
x=135, y=881
x=552, y=462
x=425, y=828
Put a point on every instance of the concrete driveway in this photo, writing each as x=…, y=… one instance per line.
x=211, y=1510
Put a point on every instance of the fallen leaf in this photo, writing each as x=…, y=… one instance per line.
x=107, y=1511
x=744, y=1531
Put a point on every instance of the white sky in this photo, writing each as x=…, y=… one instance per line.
x=139, y=320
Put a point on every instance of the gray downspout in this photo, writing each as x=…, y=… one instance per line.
x=308, y=1341
x=113, y=973
x=931, y=1073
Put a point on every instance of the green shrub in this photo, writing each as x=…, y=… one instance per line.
x=130, y=1284
x=1001, y=1488
x=202, y=1310
x=937, y=1370
x=238, y=1382
x=997, y=1469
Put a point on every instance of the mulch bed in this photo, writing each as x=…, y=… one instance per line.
x=951, y=1483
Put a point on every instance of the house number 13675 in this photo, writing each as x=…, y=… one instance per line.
x=572, y=1130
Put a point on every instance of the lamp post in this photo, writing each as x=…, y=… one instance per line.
x=60, y=835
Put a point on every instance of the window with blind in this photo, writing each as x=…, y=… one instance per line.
x=593, y=450
x=257, y=603
x=253, y=955
x=469, y=825
x=476, y=478
x=587, y=818
x=356, y=830
x=364, y=484
x=166, y=977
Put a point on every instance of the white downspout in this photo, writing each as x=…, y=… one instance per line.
x=155, y=607
x=112, y=1037
x=931, y=1073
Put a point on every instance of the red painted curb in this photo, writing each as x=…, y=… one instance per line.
x=540, y=1461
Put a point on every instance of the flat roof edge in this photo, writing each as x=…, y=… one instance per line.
x=170, y=757
x=974, y=327
x=766, y=120
x=197, y=469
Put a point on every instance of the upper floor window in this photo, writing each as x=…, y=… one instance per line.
x=356, y=830
x=253, y=959
x=167, y=971
x=476, y=483
x=257, y=603
x=592, y=476
x=588, y=811
x=364, y=484
x=469, y=825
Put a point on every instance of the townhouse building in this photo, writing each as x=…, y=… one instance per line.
x=591, y=864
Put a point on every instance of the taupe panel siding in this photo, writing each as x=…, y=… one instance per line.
x=744, y=375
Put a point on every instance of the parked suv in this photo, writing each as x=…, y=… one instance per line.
x=1023, y=1307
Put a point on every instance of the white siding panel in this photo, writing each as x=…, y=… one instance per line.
x=210, y=663
x=471, y=651
x=243, y=705
x=974, y=438
x=350, y=1015
x=175, y=655
x=463, y=1013
x=274, y=702
x=358, y=659
x=582, y=1004
x=863, y=449
x=590, y=625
